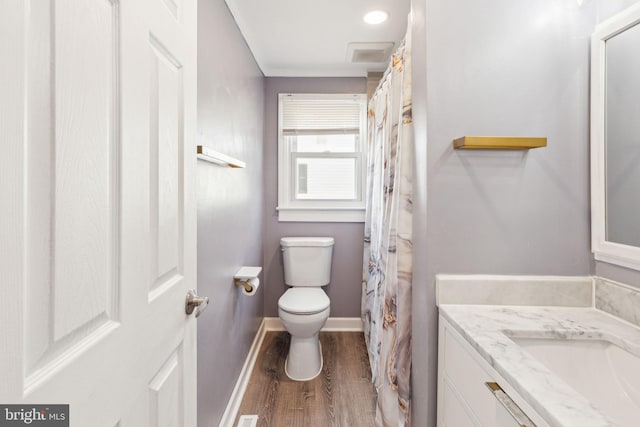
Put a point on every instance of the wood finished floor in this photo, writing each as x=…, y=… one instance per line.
x=342, y=395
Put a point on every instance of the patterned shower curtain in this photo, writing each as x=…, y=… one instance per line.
x=387, y=270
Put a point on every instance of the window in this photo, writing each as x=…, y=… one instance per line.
x=321, y=157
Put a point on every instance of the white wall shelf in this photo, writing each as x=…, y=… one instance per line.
x=213, y=156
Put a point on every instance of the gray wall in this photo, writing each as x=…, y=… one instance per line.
x=498, y=67
x=424, y=313
x=519, y=69
x=346, y=273
x=617, y=273
x=230, y=120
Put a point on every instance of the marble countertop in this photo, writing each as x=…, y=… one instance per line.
x=488, y=327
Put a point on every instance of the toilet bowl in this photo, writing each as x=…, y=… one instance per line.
x=303, y=322
x=304, y=308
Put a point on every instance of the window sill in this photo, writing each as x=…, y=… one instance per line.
x=321, y=214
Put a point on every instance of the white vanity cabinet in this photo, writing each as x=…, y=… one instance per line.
x=470, y=392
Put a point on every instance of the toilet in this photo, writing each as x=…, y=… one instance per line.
x=304, y=307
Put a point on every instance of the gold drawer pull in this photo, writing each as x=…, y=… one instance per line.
x=508, y=404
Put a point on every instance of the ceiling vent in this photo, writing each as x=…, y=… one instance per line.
x=359, y=53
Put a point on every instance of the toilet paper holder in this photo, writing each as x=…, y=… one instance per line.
x=242, y=277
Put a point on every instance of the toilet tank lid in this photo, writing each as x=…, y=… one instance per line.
x=306, y=241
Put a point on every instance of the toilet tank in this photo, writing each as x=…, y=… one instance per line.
x=307, y=260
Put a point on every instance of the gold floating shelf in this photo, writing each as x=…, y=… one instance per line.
x=499, y=142
x=212, y=156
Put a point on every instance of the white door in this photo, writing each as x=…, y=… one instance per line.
x=97, y=204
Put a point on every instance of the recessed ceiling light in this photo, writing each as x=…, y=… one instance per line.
x=375, y=17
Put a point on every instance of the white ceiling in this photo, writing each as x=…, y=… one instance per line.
x=309, y=38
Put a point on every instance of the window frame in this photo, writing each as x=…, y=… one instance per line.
x=320, y=210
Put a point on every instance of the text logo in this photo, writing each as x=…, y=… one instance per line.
x=34, y=415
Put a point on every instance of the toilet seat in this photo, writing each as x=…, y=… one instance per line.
x=304, y=301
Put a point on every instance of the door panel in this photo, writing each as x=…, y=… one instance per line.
x=84, y=166
x=72, y=196
x=166, y=166
x=165, y=393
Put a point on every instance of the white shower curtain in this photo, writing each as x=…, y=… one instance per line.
x=387, y=270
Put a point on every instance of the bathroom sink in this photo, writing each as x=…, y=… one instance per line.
x=604, y=373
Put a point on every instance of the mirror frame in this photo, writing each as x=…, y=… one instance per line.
x=610, y=252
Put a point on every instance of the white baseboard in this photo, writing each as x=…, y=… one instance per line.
x=235, y=400
x=334, y=324
x=273, y=324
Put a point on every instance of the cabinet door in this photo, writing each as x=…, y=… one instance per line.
x=453, y=411
x=467, y=378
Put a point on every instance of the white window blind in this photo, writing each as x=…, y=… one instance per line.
x=300, y=116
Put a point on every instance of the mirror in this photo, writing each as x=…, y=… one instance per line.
x=615, y=139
